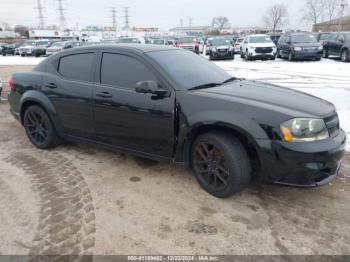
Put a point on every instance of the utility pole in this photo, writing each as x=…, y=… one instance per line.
x=181, y=23
x=114, y=18
x=61, y=15
x=126, y=17
x=40, y=15
x=343, y=5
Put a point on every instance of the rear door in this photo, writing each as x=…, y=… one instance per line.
x=127, y=119
x=70, y=87
x=332, y=43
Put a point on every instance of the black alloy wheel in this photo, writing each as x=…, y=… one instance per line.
x=39, y=128
x=221, y=164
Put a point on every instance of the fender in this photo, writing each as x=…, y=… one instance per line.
x=41, y=99
x=216, y=119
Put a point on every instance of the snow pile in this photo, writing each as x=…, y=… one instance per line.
x=18, y=60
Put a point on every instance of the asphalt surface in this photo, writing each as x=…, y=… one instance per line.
x=77, y=199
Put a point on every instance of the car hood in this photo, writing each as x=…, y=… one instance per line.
x=28, y=46
x=316, y=45
x=286, y=100
x=262, y=45
x=222, y=47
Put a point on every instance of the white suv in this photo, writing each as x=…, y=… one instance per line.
x=258, y=47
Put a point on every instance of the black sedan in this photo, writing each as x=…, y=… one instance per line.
x=9, y=49
x=169, y=104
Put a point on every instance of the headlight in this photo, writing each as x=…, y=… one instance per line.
x=304, y=130
x=230, y=48
x=297, y=48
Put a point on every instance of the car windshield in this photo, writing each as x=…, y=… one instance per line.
x=186, y=40
x=220, y=41
x=158, y=42
x=58, y=44
x=42, y=43
x=29, y=43
x=128, y=40
x=303, y=39
x=324, y=36
x=187, y=69
x=260, y=39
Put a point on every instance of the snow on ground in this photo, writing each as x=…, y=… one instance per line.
x=18, y=60
x=328, y=79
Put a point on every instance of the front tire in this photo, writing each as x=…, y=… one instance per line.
x=39, y=128
x=325, y=53
x=345, y=57
x=290, y=56
x=221, y=164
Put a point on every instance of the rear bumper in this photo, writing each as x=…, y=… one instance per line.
x=302, y=164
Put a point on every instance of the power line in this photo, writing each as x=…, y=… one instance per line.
x=40, y=14
x=61, y=16
x=114, y=18
x=127, y=18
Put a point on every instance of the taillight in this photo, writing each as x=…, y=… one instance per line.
x=12, y=85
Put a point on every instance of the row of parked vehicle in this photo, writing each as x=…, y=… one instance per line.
x=37, y=47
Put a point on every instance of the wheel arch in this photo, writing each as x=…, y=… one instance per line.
x=244, y=137
x=34, y=97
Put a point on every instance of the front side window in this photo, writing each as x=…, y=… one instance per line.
x=123, y=71
x=188, y=69
x=77, y=66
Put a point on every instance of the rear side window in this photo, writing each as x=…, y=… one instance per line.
x=76, y=67
x=124, y=71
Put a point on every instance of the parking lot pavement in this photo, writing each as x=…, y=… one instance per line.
x=77, y=199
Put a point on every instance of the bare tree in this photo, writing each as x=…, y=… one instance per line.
x=313, y=11
x=220, y=22
x=276, y=16
x=332, y=8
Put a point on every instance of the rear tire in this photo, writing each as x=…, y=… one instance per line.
x=39, y=128
x=220, y=164
x=345, y=57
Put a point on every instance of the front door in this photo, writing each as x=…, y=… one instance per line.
x=127, y=119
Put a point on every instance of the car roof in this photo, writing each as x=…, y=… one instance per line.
x=140, y=48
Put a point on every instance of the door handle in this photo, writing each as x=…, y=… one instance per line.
x=51, y=85
x=104, y=94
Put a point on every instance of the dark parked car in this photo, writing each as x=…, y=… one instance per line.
x=338, y=44
x=9, y=49
x=321, y=37
x=171, y=105
x=299, y=46
x=221, y=48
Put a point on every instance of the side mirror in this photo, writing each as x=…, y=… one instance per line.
x=341, y=40
x=289, y=42
x=150, y=87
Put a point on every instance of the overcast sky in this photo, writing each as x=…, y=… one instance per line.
x=159, y=13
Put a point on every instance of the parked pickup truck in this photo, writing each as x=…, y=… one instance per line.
x=171, y=105
x=34, y=48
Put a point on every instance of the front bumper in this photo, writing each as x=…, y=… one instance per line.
x=217, y=55
x=307, y=55
x=302, y=164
